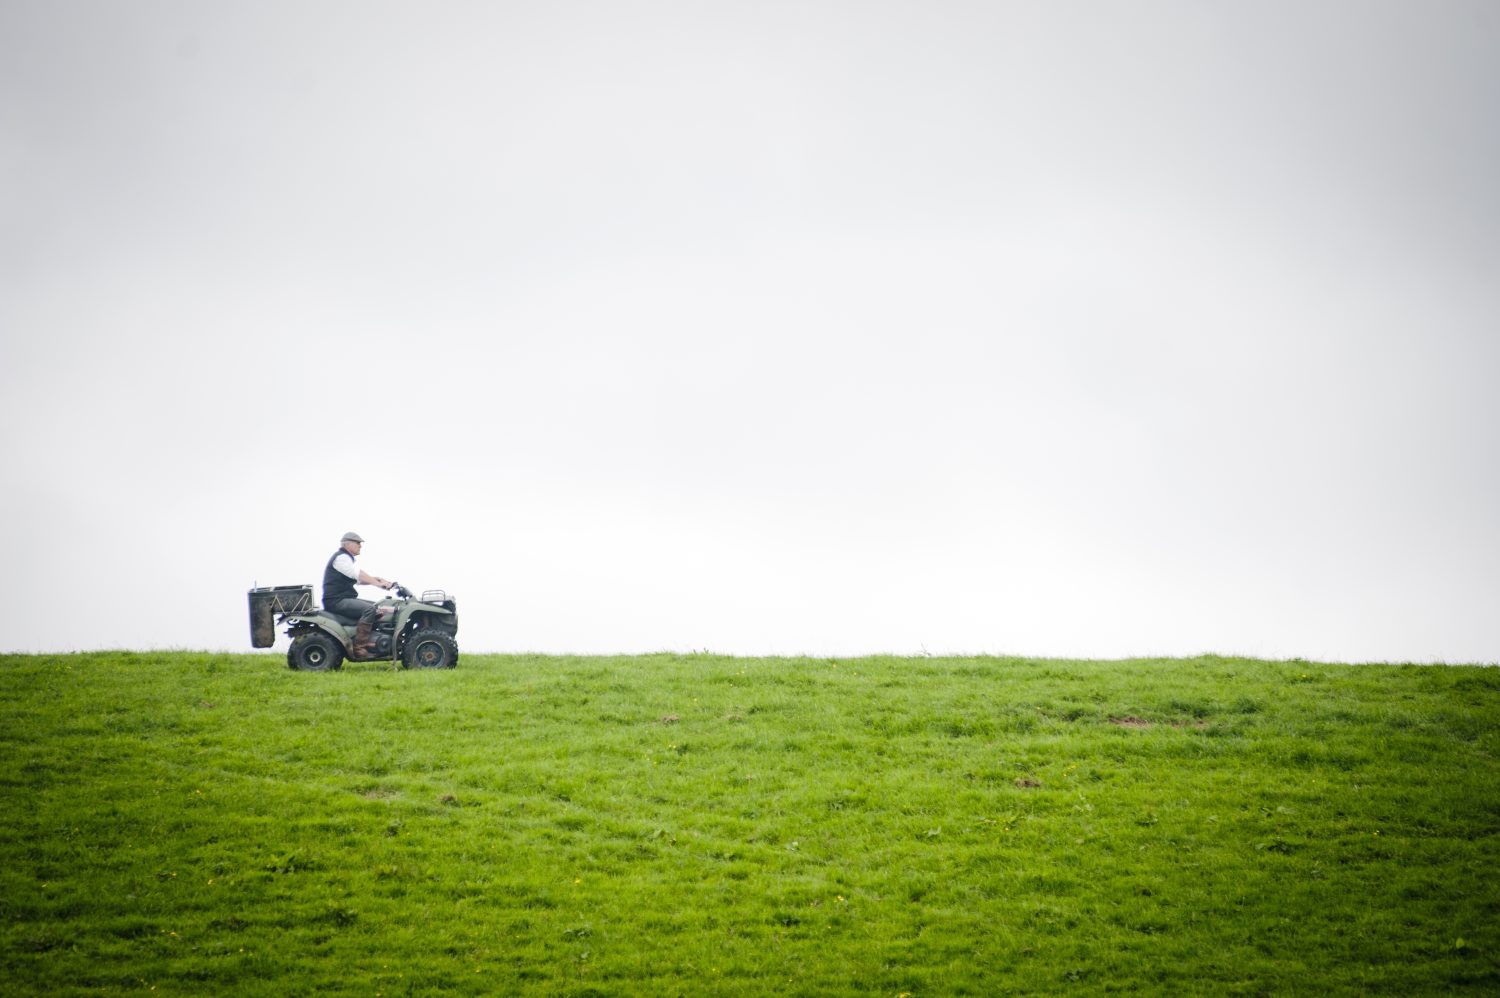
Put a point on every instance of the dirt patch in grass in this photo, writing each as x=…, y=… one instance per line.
x=1130, y=722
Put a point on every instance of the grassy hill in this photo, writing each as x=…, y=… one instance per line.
x=192, y=823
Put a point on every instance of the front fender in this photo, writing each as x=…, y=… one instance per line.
x=411, y=608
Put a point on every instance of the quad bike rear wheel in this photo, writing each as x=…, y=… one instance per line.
x=314, y=653
x=429, y=649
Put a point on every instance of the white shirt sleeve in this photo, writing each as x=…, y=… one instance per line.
x=344, y=565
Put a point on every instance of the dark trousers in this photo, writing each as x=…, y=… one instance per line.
x=361, y=608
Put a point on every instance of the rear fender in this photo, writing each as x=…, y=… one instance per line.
x=298, y=622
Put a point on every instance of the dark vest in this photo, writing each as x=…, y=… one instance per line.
x=337, y=585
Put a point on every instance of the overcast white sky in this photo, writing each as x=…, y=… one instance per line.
x=1052, y=328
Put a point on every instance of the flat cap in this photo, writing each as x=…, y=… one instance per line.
x=352, y=536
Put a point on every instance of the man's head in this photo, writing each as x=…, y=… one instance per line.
x=352, y=542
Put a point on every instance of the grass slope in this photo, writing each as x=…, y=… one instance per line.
x=666, y=824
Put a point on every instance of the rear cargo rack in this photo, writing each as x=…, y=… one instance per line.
x=286, y=599
x=268, y=601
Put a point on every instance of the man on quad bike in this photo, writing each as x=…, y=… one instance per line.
x=339, y=579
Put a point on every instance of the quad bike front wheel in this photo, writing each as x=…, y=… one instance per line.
x=430, y=650
x=314, y=653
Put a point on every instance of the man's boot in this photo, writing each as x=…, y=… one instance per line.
x=364, y=645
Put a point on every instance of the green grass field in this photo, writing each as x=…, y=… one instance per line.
x=193, y=824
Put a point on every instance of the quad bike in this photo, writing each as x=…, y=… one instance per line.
x=419, y=632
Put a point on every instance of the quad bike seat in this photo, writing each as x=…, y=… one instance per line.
x=344, y=618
